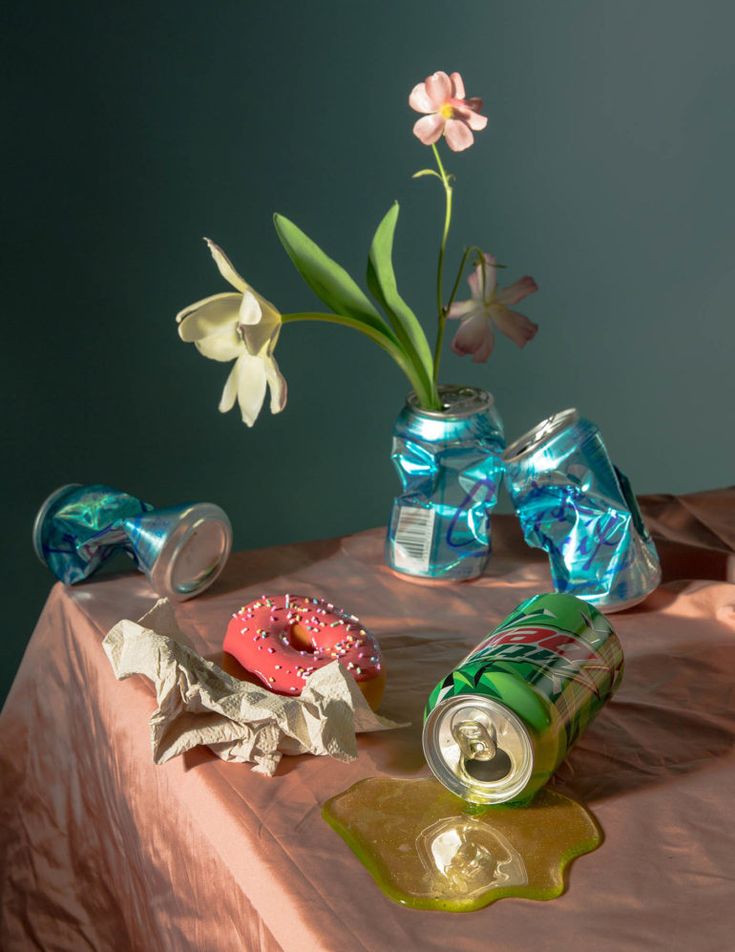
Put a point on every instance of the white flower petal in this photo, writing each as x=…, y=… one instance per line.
x=250, y=309
x=225, y=346
x=262, y=337
x=251, y=382
x=229, y=394
x=226, y=268
x=277, y=384
x=209, y=316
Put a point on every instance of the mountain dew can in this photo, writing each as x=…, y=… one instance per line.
x=497, y=727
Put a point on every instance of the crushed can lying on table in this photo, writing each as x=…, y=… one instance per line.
x=182, y=549
x=450, y=465
x=574, y=503
x=498, y=726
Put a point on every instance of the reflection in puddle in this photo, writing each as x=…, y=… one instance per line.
x=465, y=857
x=427, y=848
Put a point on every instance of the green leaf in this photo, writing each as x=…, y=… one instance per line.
x=327, y=279
x=423, y=172
x=385, y=339
x=382, y=283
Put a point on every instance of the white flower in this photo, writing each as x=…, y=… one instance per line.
x=243, y=327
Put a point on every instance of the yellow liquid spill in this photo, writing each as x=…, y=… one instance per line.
x=428, y=849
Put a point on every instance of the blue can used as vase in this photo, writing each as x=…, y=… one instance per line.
x=450, y=463
x=576, y=504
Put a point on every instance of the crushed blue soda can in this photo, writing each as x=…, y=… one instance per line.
x=574, y=503
x=450, y=465
x=182, y=549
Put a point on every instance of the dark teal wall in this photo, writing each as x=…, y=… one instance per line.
x=132, y=129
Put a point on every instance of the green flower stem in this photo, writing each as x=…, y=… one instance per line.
x=460, y=272
x=441, y=310
x=418, y=384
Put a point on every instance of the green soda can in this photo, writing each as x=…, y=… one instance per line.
x=497, y=727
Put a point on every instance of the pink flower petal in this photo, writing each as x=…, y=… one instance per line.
x=514, y=325
x=475, y=336
x=461, y=309
x=438, y=88
x=475, y=283
x=481, y=355
x=429, y=128
x=420, y=100
x=475, y=280
x=517, y=291
x=473, y=120
x=474, y=103
x=458, y=135
x=458, y=84
x=476, y=122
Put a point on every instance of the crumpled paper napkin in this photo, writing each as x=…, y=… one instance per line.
x=199, y=703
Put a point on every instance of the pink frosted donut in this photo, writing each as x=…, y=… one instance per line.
x=284, y=638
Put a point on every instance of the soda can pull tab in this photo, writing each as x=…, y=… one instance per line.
x=476, y=741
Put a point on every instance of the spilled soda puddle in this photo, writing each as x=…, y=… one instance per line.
x=429, y=849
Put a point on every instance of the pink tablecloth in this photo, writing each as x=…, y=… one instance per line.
x=102, y=850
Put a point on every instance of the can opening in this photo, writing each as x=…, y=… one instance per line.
x=482, y=759
x=457, y=402
x=478, y=748
x=488, y=771
x=541, y=433
x=199, y=557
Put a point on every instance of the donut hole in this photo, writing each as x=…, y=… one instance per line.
x=300, y=638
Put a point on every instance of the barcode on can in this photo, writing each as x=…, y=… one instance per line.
x=414, y=535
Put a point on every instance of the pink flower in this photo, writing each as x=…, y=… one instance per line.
x=441, y=97
x=487, y=306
